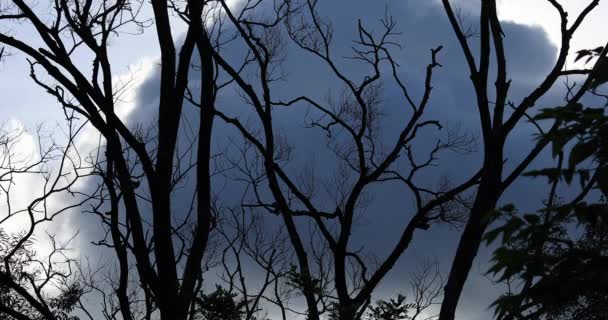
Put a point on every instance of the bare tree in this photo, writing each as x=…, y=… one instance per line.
x=356, y=116
x=426, y=288
x=250, y=246
x=352, y=122
x=168, y=276
x=35, y=285
x=161, y=256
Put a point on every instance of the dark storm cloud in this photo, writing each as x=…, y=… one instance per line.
x=423, y=26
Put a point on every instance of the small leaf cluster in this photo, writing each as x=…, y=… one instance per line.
x=25, y=270
x=299, y=280
x=393, y=309
x=599, y=74
x=220, y=304
x=586, y=129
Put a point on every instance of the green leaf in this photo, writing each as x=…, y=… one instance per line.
x=584, y=177
x=553, y=174
x=581, y=54
x=531, y=218
x=600, y=72
x=568, y=175
x=491, y=235
x=580, y=152
x=603, y=180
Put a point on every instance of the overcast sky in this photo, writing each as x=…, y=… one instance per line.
x=532, y=36
x=130, y=51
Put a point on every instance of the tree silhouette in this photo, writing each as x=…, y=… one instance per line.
x=296, y=227
x=329, y=273
x=557, y=255
x=34, y=286
x=498, y=124
x=168, y=278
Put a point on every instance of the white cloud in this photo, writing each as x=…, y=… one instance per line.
x=25, y=188
x=541, y=13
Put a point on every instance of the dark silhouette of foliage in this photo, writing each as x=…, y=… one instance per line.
x=393, y=309
x=26, y=269
x=561, y=276
x=559, y=255
x=162, y=252
x=499, y=117
x=220, y=305
x=600, y=70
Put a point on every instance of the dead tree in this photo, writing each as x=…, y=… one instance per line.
x=352, y=123
x=88, y=26
x=165, y=259
x=36, y=285
x=250, y=245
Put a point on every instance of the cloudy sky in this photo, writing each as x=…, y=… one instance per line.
x=532, y=36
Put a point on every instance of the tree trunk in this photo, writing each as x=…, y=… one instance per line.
x=487, y=196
